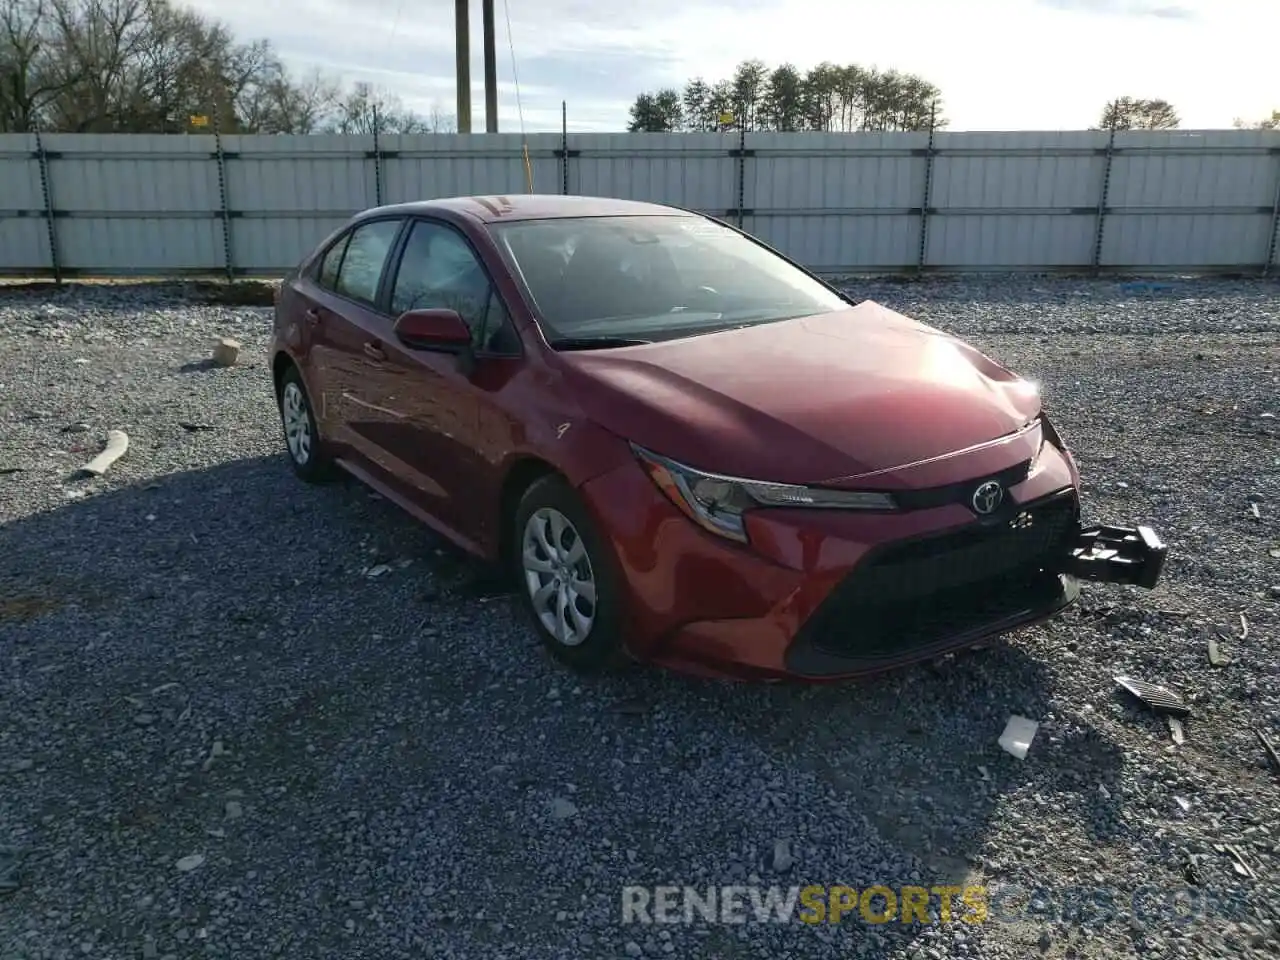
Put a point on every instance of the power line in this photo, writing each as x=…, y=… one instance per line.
x=515, y=76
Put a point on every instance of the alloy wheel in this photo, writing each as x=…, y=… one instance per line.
x=297, y=423
x=559, y=576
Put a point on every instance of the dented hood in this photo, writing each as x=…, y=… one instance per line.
x=826, y=398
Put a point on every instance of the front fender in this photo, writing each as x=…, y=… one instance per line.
x=577, y=447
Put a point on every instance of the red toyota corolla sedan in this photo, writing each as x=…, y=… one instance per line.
x=687, y=449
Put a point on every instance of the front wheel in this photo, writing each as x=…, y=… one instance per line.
x=566, y=577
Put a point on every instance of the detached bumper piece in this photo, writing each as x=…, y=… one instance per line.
x=1128, y=555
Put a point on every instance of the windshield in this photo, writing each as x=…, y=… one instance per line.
x=616, y=279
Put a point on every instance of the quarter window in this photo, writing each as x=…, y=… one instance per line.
x=328, y=276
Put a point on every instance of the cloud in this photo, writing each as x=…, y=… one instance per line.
x=595, y=57
x=1124, y=8
x=1001, y=64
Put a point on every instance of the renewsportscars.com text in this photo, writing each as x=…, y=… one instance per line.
x=812, y=904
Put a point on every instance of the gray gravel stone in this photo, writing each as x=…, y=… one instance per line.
x=396, y=747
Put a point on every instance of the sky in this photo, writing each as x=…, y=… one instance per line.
x=1001, y=64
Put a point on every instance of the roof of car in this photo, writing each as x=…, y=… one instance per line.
x=533, y=207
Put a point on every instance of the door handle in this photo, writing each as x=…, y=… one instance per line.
x=374, y=352
x=313, y=316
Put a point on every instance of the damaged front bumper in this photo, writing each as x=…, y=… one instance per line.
x=1127, y=555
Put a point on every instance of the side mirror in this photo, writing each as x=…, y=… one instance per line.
x=442, y=330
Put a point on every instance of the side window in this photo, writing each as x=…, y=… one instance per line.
x=438, y=270
x=327, y=277
x=366, y=255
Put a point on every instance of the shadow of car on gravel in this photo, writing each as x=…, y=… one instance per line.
x=233, y=604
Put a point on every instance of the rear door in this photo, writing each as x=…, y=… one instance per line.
x=348, y=327
x=302, y=298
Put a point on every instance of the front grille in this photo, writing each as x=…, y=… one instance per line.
x=920, y=592
x=930, y=497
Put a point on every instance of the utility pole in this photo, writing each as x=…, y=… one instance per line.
x=462, y=31
x=490, y=69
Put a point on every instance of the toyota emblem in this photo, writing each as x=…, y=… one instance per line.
x=987, y=498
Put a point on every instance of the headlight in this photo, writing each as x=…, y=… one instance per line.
x=717, y=503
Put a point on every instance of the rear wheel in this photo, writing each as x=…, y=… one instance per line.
x=566, y=577
x=307, y=455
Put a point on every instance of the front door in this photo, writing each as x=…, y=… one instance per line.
x=441, y=404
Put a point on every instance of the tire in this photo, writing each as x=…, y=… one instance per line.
x=591, y=642
x=303, y=446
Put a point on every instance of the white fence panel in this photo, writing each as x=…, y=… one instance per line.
x=24, y=234
x=253, y=205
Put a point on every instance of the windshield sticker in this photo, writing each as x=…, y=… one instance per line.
x=705, y=228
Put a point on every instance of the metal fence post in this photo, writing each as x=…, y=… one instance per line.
x=742, y=165
x=221, y=157
x=1100, y=227
x=564, y=153
x=42, y=157
x=741, y=153
x=564, y=148
x=1275, y=220
x=921, y=254
x=377, y=159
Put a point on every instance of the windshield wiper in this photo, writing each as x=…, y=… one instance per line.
x=594, y=343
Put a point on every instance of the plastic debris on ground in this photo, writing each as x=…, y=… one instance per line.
x=117, y=444
x=1017, y=736
x=1161, y=700
x=1237, y=859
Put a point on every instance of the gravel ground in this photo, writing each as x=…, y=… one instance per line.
x=219, y=736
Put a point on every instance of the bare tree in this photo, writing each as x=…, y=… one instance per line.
x=100, y=43
x=1267, y=123
x=279, y=105
x=440, y=122
x=149, y=66
x=365, y=109
x=32, y=68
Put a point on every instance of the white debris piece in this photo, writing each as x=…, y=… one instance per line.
x=1017, y=736
x=117, y=444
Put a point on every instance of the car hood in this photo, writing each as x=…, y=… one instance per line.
x=826, y=398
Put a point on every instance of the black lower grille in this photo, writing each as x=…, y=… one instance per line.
x=920, y=592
